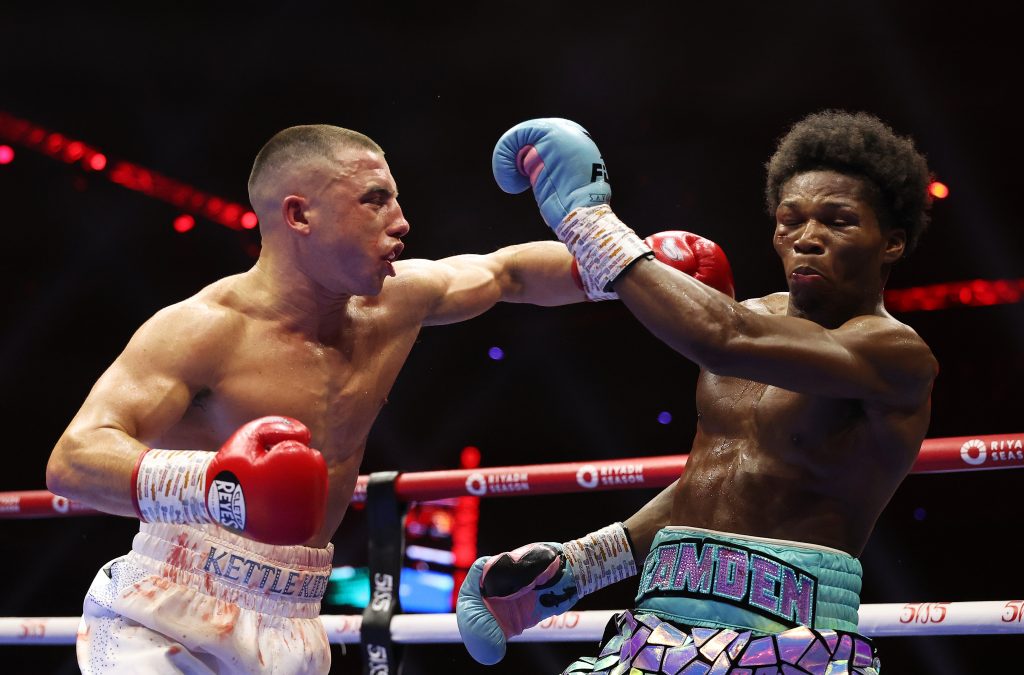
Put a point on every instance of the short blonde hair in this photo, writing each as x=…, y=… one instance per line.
x=304, y=143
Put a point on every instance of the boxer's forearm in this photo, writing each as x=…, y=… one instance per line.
x=94, y=467
x=539, y=273
x=645, y=523
x=692, y=318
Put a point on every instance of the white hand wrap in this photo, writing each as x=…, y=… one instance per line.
x=604, y=247
x=600, y=558
x=170, y=486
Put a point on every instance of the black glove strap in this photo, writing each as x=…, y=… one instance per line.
x=646, y=256
x=386, y=524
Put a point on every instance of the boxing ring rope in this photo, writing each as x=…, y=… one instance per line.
x=995, y=617
x=938, y=455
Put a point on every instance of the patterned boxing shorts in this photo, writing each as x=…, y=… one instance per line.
x=202, y=600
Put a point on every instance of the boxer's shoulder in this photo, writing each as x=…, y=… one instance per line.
x=417, y=281
x=774, y=303
x=200, y=329
x=219, y=307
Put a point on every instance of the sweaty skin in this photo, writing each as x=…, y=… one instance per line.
x=811, y=405
x=317, y=330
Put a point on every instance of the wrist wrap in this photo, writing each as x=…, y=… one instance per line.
x=170, y=486
x=604, y=248
x=600, y=558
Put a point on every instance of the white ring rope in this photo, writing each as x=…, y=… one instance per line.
x=992, y=617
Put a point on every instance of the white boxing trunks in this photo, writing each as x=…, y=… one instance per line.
x=191, y=599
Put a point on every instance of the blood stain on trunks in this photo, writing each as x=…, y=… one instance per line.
x=148, y=593
x=225, y=620
x=178, y=556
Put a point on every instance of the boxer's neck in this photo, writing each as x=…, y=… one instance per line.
x=296, y=300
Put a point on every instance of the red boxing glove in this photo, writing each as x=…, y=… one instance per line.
x=265, y=483
x=701, y=258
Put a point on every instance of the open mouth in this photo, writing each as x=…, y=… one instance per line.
x=392, y=256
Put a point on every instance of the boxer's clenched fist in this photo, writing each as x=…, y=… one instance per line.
x=559, y=160
x=503, y=595
x=265, y=483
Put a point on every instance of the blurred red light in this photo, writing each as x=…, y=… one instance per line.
x=128, y=175
x=938, y=190
x=229, y=216
x=184, y=223
x=470, y=457
x=74, y=151
x=974, y=293
x=179, y=196
x=54, y=143
x=214, y=206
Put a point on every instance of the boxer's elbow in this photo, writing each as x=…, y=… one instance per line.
x=59, y=470
x=63, y=471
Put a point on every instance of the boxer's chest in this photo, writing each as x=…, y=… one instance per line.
x=335, y=389
x=771, y=417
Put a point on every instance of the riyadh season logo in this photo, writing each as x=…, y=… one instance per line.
x=61, y=504
x=516, y=481
x=586, y=476
x=590, y=476
x=976, y=453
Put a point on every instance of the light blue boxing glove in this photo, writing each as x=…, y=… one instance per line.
x=559, y=160
x=505, y=594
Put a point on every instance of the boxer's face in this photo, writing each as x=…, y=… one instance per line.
x=357, y=223
x=833, y=248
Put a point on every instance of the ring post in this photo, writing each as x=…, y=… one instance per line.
x=386, y=520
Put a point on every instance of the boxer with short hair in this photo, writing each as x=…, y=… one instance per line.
x=233, y=555
x=811, y=408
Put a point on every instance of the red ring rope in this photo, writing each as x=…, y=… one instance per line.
x=938, y=455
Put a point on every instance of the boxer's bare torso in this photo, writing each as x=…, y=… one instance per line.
x=811, y=404
x=776, y=463
x=261, y=366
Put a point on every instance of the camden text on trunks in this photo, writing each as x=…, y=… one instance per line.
x=734, y=574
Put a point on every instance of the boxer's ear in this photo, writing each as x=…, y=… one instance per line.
x=293, y=212
x=895, y=245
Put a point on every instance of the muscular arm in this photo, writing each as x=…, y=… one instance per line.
x=145, y=391
x=465, y=286
x=869, y=357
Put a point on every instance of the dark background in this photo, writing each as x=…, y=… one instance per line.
x=685, y=100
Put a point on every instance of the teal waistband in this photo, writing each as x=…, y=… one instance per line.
x=714, y=579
